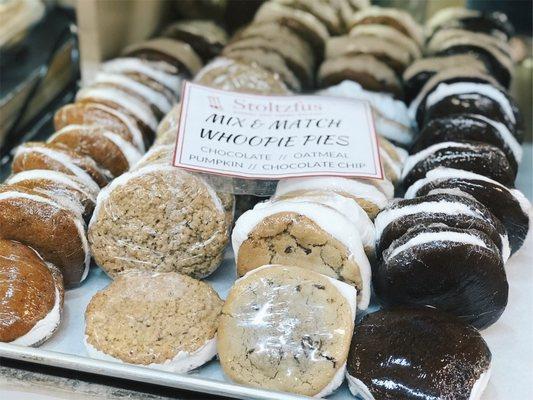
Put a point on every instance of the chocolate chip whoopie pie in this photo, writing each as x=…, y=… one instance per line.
x=454, y=270
x=510, y=206
x=469, y=127
x=55, y=232
x=417, y=353
x=294, y=329
x=444, y=208
x=481, y=158
x=31, y=295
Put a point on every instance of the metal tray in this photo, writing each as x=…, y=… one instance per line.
x=509, y=339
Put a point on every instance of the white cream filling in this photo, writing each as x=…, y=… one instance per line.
x=146, y=92
x=326, y=218
x=80, y=226
x=506, y=136
x=136, y=65
x=129, y=151
x=346, y=206
x=386, y=105
x=65, y=160
x=358, y=388
x=431, y=237
x=182, y=362
x=444, y=90
x=352, y=187
x=44, y=327
x=131, y=125
x=414, y=159
x=124, y=100
x=393, y=131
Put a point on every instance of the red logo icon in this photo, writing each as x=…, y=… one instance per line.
x=214, y=102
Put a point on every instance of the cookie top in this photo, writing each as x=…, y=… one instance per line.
x=163, y=320
x=227, y=74
x=302, y=340
x=158, y=218
x=323, y=10
x=459, y=271
x=31, y=295
x=438, y=356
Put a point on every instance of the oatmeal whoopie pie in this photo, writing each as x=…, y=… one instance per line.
x=67, y=190
x=347, y=8
x=386, y=32
x=365, y=69
x=266, y=58
x=400, y=20
x=370, y=197
x=495, y=53
x=390, y=115
x=146, y=71
x=305, y=234
x=205, y=37
x=37, y=155
x=439, y=357
x=474, y=98
x=98, y=114
x=510, y=206
x=227, y=74
x=301, y=342
x=159, y=201
x=159, y=98
x=494, y=23
x=174, y=52
x=382, y=49
x=421, y=70
x=303, y=23
x=294, y=57
x=31, y=294
x=448, y=209
x=164, y=321
x=55, y=232
x=470, y=127
x=107, y=148
x=481, y=158
x=459, y=271
x=392, y=160
x=122, y=101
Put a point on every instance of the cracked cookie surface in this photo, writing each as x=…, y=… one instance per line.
x=289, y=238
x=284, y=328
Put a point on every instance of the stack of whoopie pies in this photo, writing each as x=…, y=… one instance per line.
x=446, y=244
x=46, y=203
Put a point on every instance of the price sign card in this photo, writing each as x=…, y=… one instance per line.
x=273, y=137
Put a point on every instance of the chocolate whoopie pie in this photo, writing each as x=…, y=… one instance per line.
x=469, y=127
x=205, y=37
x=454, y=270
x=447, y=209
x=481, y=158
x=510, y=206
x=474, y=98
x=417, y=353
x=421, y=70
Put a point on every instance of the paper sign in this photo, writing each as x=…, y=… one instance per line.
x=274, y=137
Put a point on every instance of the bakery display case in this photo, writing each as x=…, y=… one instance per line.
x=276, y=199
